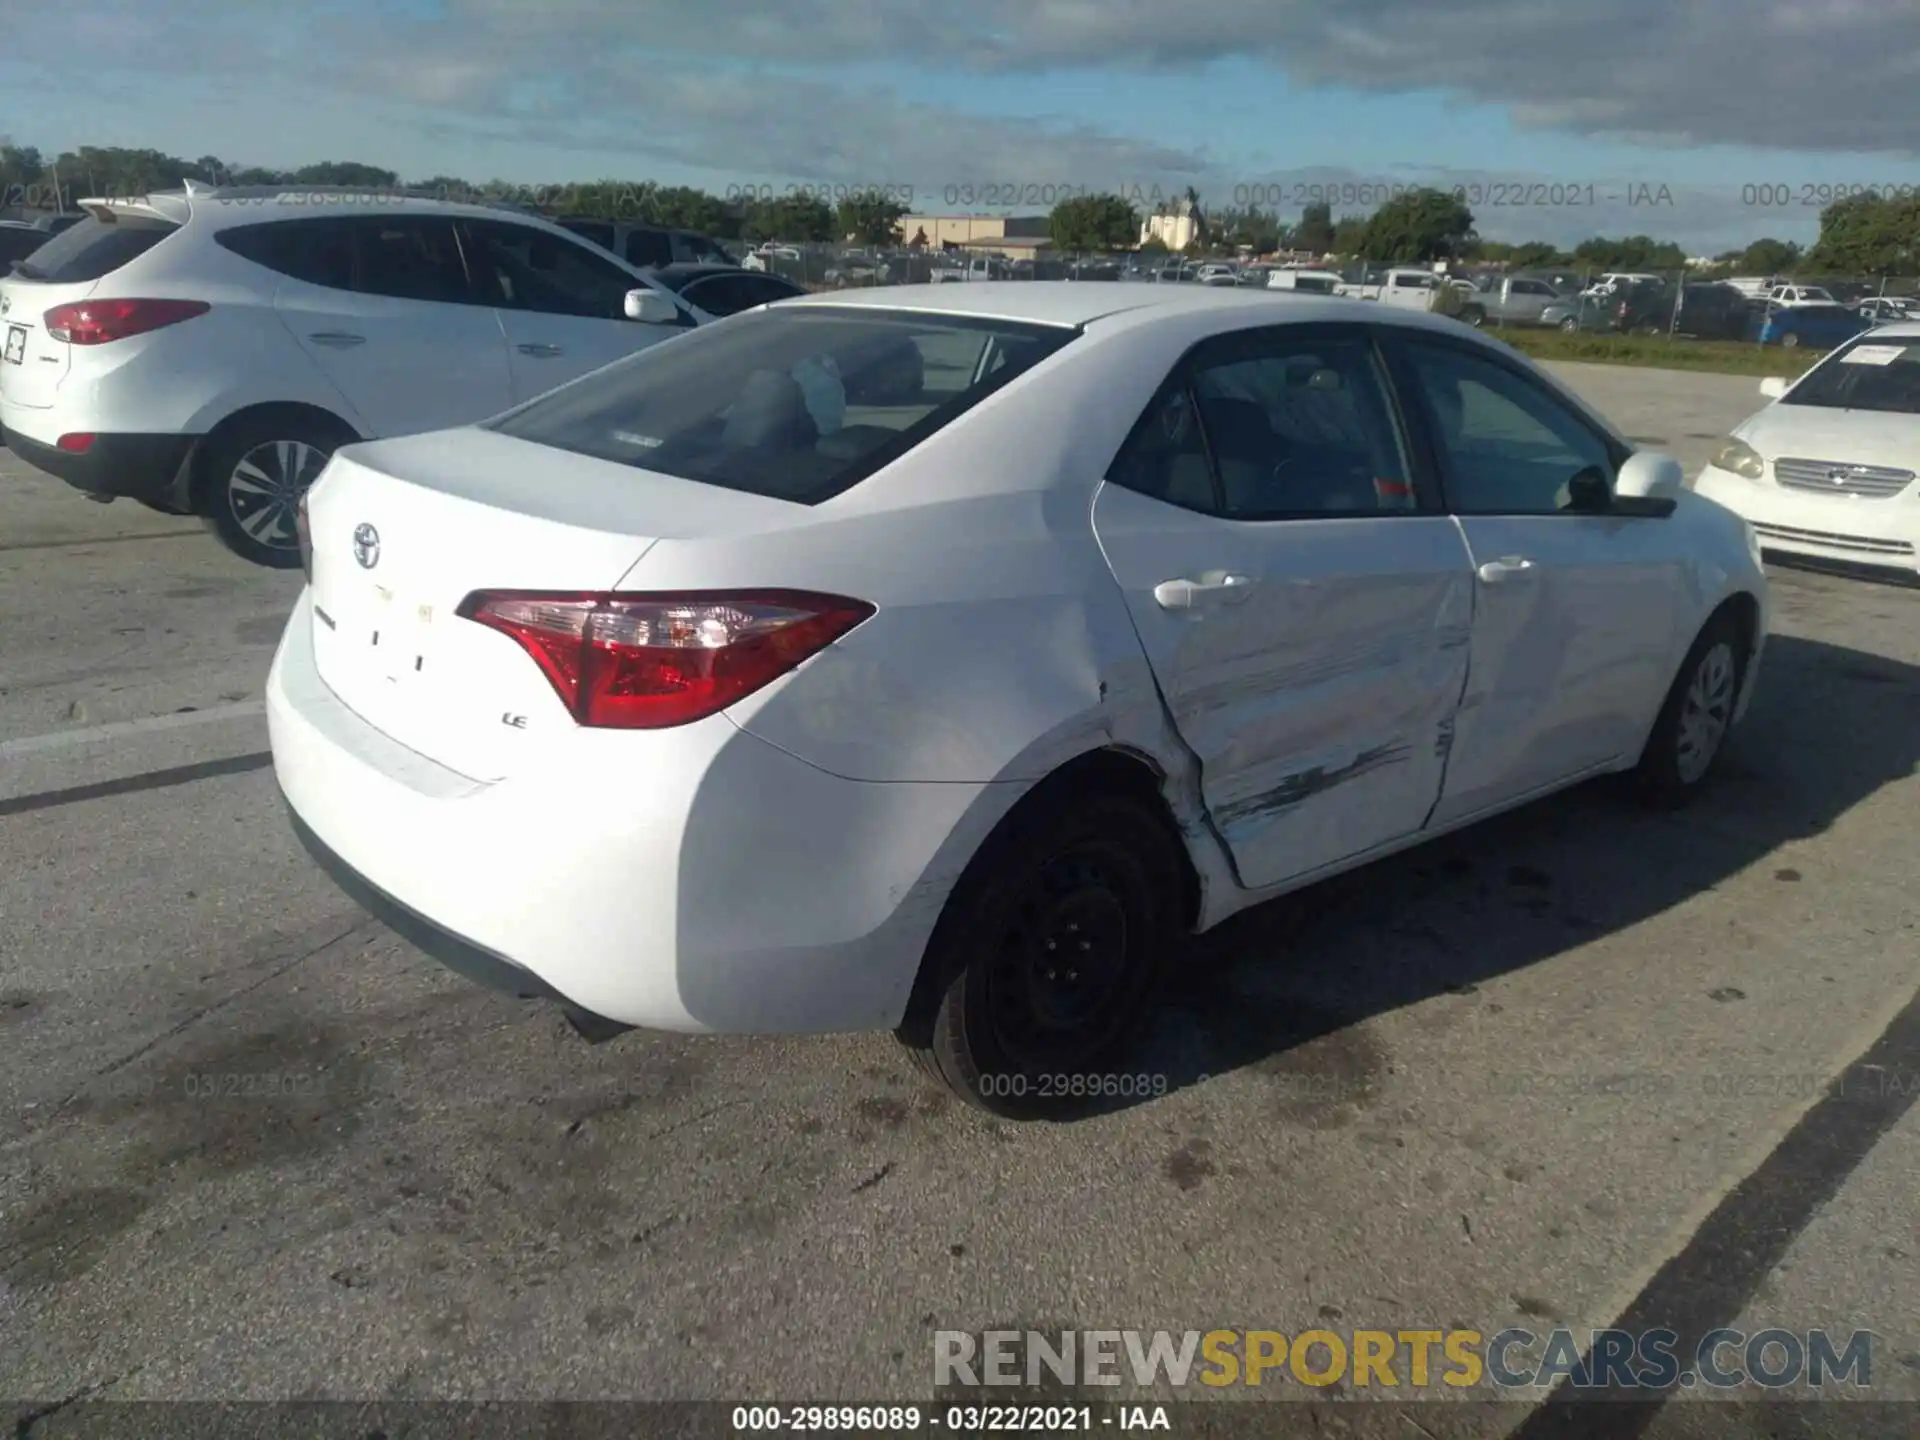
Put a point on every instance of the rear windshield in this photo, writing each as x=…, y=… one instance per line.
x=94, y=248
x=1868, y=374
x=797, y=404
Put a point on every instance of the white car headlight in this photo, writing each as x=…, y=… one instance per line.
x=1741, y=459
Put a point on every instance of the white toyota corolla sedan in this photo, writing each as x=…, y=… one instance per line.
x=1827, y=472
x=933, y=660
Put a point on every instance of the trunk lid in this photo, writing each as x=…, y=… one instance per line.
x=404, y=530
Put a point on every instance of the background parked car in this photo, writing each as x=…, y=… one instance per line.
x=204, y=353
x=1801, y=295
x=648, y=246
x=1819, y=326
x=1705, y=311
x=1888, y=309
x=1512, y=300
x=720, y=290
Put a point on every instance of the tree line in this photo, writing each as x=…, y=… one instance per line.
x=1861, y=235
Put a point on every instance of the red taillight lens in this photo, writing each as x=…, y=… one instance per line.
x=76, y=444
x=649, y=662
x=304, y=529
x=96, y=322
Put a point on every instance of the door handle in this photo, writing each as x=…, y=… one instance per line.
x=545, y=352
x=1209, y=590
x=337, y=339
x=1507, y=567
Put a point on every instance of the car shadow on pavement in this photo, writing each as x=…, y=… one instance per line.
x=1285, y=988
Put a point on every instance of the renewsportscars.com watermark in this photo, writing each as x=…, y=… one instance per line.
x=1514, y=1359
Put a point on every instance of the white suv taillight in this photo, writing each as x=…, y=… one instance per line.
x=99, y=322
x=650, y=662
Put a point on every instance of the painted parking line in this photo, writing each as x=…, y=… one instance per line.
x=134, y=784
x=127, y=729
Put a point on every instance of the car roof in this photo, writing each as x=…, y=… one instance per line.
x=256, y=204
x=1898, y=330
x=1066, y=303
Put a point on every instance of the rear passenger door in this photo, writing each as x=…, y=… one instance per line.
x=383, y=306
x=1305, y=606
x=561, y=304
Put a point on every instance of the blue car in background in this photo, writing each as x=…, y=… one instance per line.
x=1818, y=327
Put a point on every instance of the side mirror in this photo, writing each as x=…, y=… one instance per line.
x=650, y=307
x=1650, y=475
x=1774, y=386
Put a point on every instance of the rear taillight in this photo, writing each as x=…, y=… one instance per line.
x=304, y=529
x=97, y=322
x=648, y=662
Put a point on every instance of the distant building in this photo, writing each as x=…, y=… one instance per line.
x=1176, y=224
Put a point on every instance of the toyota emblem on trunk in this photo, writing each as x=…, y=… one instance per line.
x=366, y=546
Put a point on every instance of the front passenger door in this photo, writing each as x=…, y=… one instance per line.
x=1305, y=613
x=562, y=306
x=1576, y=608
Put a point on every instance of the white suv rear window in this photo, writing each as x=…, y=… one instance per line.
x=94, y=249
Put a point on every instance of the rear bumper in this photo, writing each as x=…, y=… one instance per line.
x=1851, y=534
x=138, y=467
x=693, y=880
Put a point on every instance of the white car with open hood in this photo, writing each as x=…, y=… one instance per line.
x=934, y=660
x=1827, y=472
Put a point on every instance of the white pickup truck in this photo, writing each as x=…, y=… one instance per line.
x=1410, y=290
x=979, y=267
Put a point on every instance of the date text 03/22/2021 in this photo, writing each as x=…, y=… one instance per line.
x=947, y=1419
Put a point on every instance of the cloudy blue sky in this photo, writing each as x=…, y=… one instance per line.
x=1562, y=116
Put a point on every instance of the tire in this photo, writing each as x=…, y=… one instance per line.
x=1077, y=880
x=251, y=473
x=1571, y=324
x=1691, y=731
x=1474, y=316
x=1789, y=341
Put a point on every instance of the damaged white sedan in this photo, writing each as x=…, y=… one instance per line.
x=934, y=661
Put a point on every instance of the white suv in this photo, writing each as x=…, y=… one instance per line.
x=206, y=351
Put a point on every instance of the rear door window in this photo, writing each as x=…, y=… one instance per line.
x=412, y=257
x=798, y=402
x=319, y=252
x=522, y=268
x=95, y=248
x=649, y=248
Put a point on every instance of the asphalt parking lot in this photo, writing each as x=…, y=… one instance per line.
x=1541, y=1073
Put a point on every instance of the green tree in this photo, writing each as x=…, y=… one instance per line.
x=1088, y=223
x=1315, y=231
x=1868, y=235
x=1349, y=237
x=22, y=176
x=871, y=219
x=1153, y=245
x=1257, y=229
x=1633, y=252
x=348, y=174
x=795, y=218
x=1768, y=257
x=1423, y=224
x=1536, y=255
